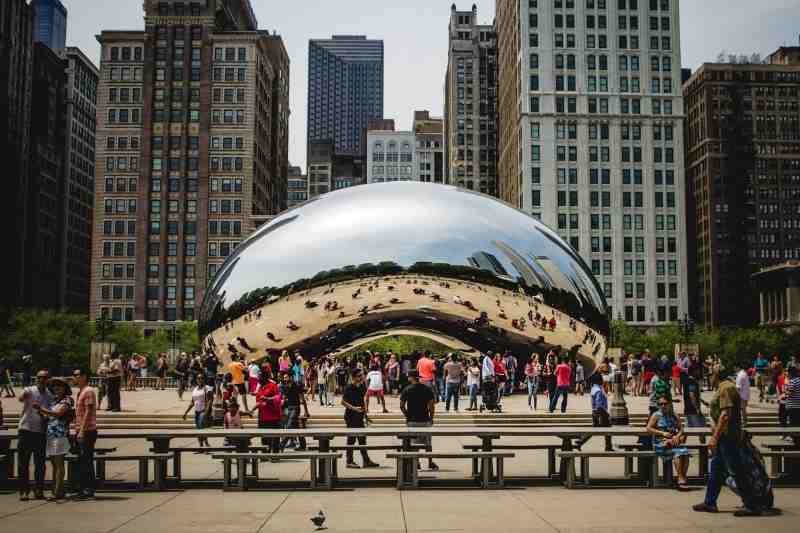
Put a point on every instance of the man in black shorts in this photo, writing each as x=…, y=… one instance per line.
x=417, y=402
x=355, y=414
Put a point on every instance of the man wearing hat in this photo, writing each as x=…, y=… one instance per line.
x=418, y=404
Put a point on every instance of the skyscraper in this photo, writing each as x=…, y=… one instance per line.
x=428, y=132
x=470, y=112
x=50, y=23
x=743, y=172
x=192, y=153
x=592, y=140
x=345, y=90
x=16, y=68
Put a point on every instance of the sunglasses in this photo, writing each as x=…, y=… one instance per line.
x=664, y=404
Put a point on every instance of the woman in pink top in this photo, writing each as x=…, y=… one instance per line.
x=284, y=362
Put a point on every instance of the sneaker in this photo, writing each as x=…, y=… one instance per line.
x=705, y=508
x=39, y=495
x=371, y=464
x=433, y=466
x=352, y=465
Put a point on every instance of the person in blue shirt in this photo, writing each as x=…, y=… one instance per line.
x=600, y=416
x=761, y=366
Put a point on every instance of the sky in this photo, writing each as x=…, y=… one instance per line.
x=415, y=40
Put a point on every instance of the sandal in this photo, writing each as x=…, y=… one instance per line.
x=683, y=487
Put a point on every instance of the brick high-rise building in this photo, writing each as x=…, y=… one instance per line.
x=192, y=152
x=591, y=140
x=16, y=69
x=743, y=172
x=429, y=136
x=470, y=106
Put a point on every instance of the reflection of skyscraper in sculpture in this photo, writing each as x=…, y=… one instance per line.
x=487, y=261
x=531, y=277
x=557, y=278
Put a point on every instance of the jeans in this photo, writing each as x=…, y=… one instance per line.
x=86, y=462
x=362, y=441
x=560, y=391
x=726, y=456
x=112, y=387
x=31, y=443
x=473, y=396
x=274, y=444
x=533, y=388
x=452, y=392
x=439, y=391
x=293, y=422
x=323, y=394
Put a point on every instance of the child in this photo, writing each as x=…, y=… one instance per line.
x=233, y=419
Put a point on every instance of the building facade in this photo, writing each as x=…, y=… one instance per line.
x=82, y=78
x=46, y=180
x=50, y=24
x=329, y=170
x=743, y=173
x=592, y=140
x=470, y=114
x=391, y=156
x=16, y=69
x=192, y=153
x=429, y=147
x=296, y=187
x=345, y=89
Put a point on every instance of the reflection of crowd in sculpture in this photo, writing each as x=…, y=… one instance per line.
x=535, y=316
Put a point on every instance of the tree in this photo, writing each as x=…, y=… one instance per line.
x=56, y=340
x=127, y=339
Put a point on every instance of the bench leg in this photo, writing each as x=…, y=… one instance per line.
x=653, y=472
x=775, y=466
x=176, y=466
x=226, y=473
x=400, y=473
x=254, y=468
x=313, y=474
x=100, y=469
x=585, y=470
x=143, y=477
x=500, y=473
x=328, y=482
x=486, y=472
x=551, y=462
x=241, y=473
x=160, y=473
x=414, y=465
x=628, y=467
x=668, y=474
x=475, y=471
x=569, y=464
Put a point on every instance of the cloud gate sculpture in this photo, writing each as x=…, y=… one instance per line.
x=370, y=260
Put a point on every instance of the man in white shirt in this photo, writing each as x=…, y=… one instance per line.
x=375, y=387
x=487, y=370
x=743, y=386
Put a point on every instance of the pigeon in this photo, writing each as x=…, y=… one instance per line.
x=318, y=521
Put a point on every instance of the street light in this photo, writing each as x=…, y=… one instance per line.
x=104, y=325
x=174, y=337
x=687, y=327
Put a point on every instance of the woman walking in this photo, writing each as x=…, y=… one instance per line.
x=60, y=415
x=202, y=398
x=532, y=370
x=473, y=384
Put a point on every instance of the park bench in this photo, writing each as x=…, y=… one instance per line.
x=408, y=466
x=584, y=456
x=73, y=466
x=324, y=459
x=702, y=463
x=780, y=468
x=159, y=467
x=552, y=470
x=368, y=447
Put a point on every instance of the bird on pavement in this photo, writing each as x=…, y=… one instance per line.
x=318, y=521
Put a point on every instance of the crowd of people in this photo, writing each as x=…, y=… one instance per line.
x=278, y=389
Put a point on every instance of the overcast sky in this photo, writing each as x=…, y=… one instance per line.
x=415, y=39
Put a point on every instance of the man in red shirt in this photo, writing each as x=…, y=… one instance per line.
x=85, y=433
x=563, y=375
x=426, y=367
x=269, y=404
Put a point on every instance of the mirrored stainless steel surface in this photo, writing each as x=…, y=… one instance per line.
x=372, y=259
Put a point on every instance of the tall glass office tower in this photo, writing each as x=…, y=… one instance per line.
x=345, y=89
x=50, y=23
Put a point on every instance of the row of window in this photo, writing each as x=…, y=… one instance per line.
x=122, y=143
x=622, y=5
x=122, y=164
x=119, y=227
x=153, y=292
x=230, y=54
x=171, y=271
x=118, y=270
x=600, y=41
x=221, y=249
x=125, y=95
x=228, y=95
x=628, y=154
x=125, y=116
x=126, y=53
x=116, y=292
x=598, y=176
x=189, y=227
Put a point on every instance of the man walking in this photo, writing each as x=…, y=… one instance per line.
x=32, y=438
x=85, y=433
x=426, y=370
x=293, y=397
x=114, y=384
x=743, y=388
x=453, y=375
x=418, y=405
x=355, y=414
x=563, y=375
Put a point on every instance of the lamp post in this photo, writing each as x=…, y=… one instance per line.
x=686, y=326
x=619, y=409
x=104, y=325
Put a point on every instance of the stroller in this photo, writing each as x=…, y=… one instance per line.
x=490, y=397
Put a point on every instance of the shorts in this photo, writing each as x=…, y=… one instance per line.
x=425, y=440
x=378, y=393
x=57, y=446
x=240, y=388
x=648, y=377
x=761, y=380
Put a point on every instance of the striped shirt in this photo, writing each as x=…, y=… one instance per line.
x=793, y=393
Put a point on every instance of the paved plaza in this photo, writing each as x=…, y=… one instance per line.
x=379, y=507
